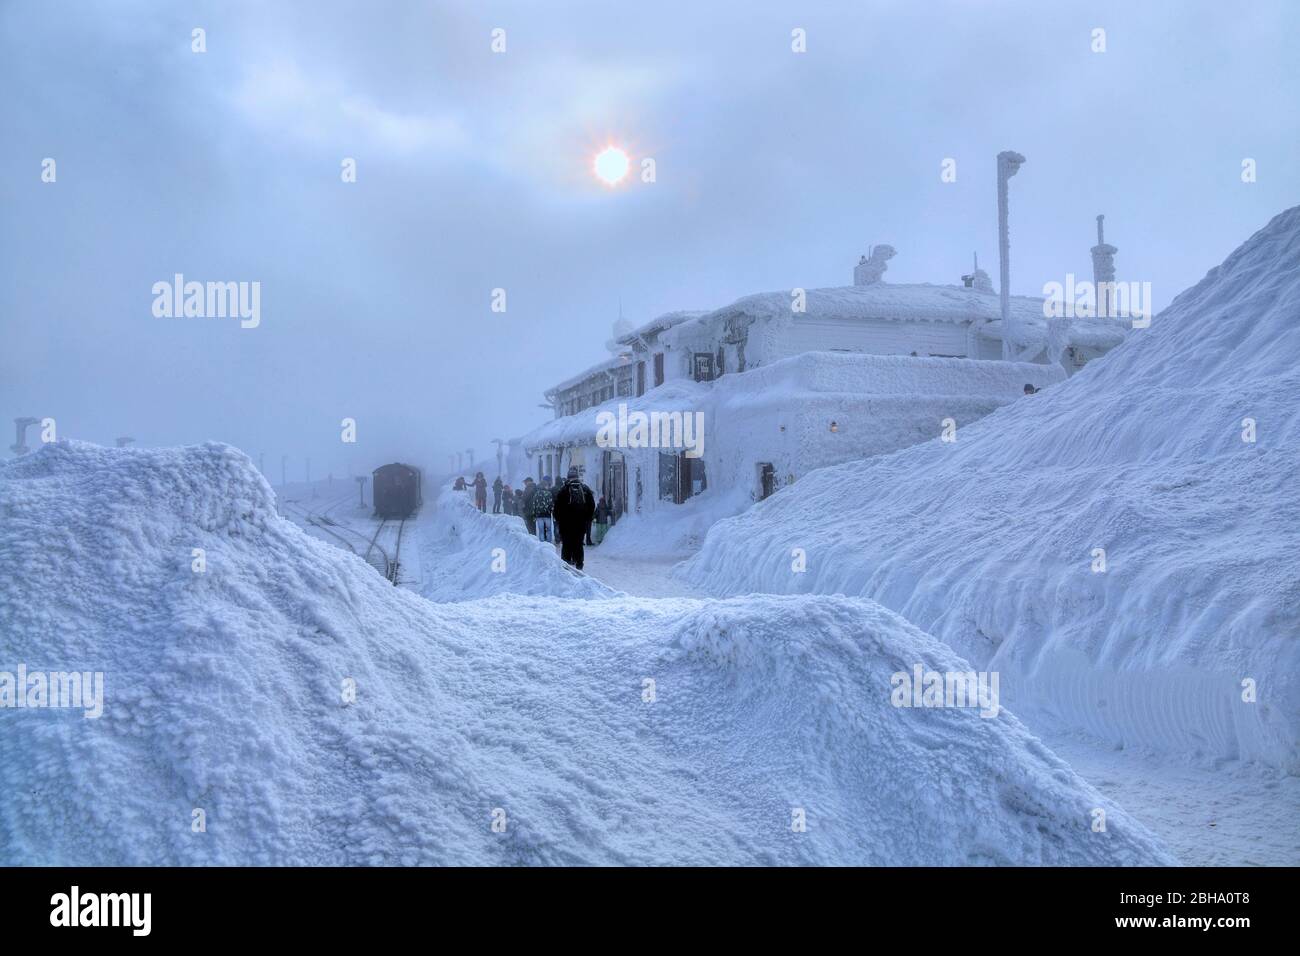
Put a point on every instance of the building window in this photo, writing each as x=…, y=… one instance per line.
x=703, y=366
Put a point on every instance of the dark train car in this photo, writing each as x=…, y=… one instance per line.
x=396, y=490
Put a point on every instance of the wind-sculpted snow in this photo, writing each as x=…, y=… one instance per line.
x=1176, y=455
x=605, y=731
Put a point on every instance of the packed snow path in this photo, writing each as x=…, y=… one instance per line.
x=645, y=577
x=1226, y=815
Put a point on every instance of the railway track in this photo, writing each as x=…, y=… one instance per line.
x=376, y=552
x=389, y=565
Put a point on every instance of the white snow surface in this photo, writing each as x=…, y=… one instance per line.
x=988, y=543
x=223, y=693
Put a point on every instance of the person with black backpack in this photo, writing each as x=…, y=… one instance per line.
x=573, y=509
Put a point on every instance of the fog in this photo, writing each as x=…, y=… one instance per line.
x=774, y=169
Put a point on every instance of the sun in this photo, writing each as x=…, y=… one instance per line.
x=611, y=165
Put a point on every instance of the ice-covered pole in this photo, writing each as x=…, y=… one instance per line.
x=1103, y=272
x=1008, y=164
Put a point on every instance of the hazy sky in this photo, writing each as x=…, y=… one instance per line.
x=774, y=170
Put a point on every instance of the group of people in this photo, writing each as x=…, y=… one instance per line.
x=561, y=514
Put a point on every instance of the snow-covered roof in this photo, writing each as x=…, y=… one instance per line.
x=659, y=323
x=614, y=361
x=916, y=302
x=884, y=300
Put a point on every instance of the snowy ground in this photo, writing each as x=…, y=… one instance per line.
x=316, y=714
x=1229, y=814
x=642, y=577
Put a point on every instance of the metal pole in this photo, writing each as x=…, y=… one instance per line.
x=1008, y=164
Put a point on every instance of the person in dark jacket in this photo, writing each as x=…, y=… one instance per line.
x=526, y=504
x=480, y=491
x=459, y=485
x=507, y=500
x=496, y=495
x=574, y=508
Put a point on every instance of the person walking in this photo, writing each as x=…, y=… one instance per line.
x=574, y=507
x=497, y=486
x=543, y=501
x=526, y=504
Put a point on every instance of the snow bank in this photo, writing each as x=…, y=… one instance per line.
x=467, y=554
x=226, y=695
x=990, y=542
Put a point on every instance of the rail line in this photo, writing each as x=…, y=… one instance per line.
x=391, y=564
x=375, y=553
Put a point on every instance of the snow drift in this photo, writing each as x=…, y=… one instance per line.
x=465, y=553
x=990, y=543
x=607, y=731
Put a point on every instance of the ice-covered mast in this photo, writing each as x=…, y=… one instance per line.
x=1103, y=272
x=1008, y=164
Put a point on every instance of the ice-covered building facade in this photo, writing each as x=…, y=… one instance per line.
x=776, y=384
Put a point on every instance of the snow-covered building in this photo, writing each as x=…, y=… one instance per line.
x=784, y=382
x=746, y=435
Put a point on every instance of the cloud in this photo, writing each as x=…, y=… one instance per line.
x=319, y=111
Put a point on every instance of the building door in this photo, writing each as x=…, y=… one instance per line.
x=766, y=480
x=614, y=482
x=669, y=486
x=703, y=366
x=640, y=378
x=659, y=369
